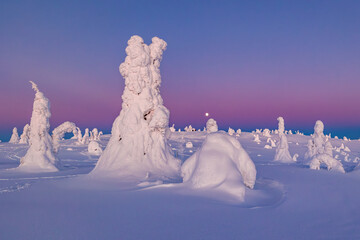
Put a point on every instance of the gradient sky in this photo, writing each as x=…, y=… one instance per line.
x=244, y=62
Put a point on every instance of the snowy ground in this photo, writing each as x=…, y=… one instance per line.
x=289, y=201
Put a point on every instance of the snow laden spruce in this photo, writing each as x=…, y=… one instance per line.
x=211, y=126
x=282, y=151
x=25, y=136
x=138, y=147
x=15, y=136
x=40, y=156
x=220, y=165
x=320, y=150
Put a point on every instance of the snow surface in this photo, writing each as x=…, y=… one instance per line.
x=287, y=202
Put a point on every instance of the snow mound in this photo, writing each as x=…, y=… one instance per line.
x=189, y=145
x=138, y=147
x=221, y=164
x=320, y=150
x=40, y=156
x=94, y=148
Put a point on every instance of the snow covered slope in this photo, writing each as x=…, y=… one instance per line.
x=289, y=200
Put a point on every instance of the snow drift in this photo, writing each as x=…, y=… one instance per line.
x=40, y=156
x=138, y=147
x=221, y=164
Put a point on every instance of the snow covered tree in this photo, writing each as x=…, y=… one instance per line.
x=40, y=156
x=25, y=136
x=282, y=151
x=86, y=137
x=15, y=136
x=138, y=147
x=59, y=132
x=211, y=126
x=320, y=150
x=231, y=131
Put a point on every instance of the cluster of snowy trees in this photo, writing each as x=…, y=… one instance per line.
x=138, y=147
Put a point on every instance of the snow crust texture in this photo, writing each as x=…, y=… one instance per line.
x=221, y=164
x=138, y=146
x=40, y=156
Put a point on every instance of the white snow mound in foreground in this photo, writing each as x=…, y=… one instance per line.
x=221, y=164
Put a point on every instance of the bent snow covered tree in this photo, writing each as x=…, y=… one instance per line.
x=40, y=156
x=138, y=147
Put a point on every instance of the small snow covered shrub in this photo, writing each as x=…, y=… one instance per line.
x=211, y=126
x=266, y=133
x=282, y=151
x=86, y=138
x=320, y=150
x=138, y=147
x=40, y=156
x=221, y=164
x=231, y=131
x=94, y=148
x=189, y=145
x=15, y=136
x=25, y=136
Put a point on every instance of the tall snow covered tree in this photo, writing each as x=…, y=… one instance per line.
x=40, y=156
x=138, y=147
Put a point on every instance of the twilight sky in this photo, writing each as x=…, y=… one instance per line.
x=244, y=62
